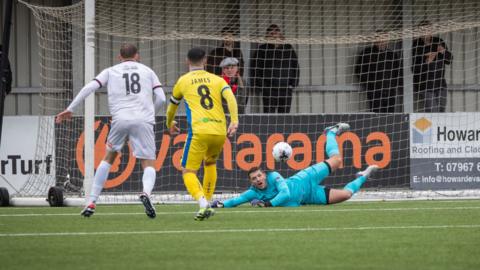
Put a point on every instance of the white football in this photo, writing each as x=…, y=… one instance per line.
x=282, y=151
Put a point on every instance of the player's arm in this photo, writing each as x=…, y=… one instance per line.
x=227, y=94
x=158, y=93
x=283, y=191
x=243, y=198
x=159, y=98
x=445, y=53
x=88, y=89
x=175, y=100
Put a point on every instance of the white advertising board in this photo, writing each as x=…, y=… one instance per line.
x=18, y=160
x=445, y=150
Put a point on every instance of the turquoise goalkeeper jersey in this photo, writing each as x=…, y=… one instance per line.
x=302, y=188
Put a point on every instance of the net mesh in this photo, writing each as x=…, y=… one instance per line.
x=304, y=65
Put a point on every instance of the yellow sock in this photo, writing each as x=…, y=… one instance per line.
x=209, y=180
x=193, y=185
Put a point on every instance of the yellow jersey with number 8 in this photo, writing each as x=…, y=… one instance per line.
x=202, y=92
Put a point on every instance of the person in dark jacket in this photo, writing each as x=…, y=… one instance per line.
x=274, y=71
x=429, y=57
x=7, y=75
x=379, y=71
x=229, y=48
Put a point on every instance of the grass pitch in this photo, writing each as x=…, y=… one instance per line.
x=369, y=235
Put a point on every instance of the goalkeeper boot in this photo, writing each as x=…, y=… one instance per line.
x=149, y=208
x=338, y=128
x=368, y=171
x=89, y=210
x=204, y=213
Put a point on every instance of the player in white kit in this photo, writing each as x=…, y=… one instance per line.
x=134, y=96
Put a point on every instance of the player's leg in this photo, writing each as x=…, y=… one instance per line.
x=193, y=154
x=101, y=175
x=340, y=195
x=355, y=185
x=149, y=176
x=142, y=141
x=148, y=180
x=194, y=187
x=315, y=174
x=209, y=178
x=115, y=141
x=331, y=146
x=215, y=146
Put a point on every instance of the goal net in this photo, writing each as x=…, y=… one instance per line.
x=404, y=74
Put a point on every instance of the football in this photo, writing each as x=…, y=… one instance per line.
x=282, y=151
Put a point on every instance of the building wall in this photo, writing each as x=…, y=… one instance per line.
x=326, y=84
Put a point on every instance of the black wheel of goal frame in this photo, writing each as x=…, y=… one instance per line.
x=4, y=197
x=55, y=197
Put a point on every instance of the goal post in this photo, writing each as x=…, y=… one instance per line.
x=89, y=115
x=403, y=74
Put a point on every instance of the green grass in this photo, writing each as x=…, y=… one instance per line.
x=376, y=235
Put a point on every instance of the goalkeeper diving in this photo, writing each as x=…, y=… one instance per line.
x=270, y=189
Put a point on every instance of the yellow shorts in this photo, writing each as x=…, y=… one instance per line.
x=201, y=147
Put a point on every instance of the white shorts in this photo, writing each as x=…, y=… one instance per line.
x=140, y=135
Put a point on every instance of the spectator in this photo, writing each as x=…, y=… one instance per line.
x=7, y=75
x=229, y=48
x=379, y=72
x=231, y=74
x=274, y=71
x=430, y=55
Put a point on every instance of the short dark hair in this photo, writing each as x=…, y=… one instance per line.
x=196, y=55
x=128, y=50
x=252, y=170
x=272, y=27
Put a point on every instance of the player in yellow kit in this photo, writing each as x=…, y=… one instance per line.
x=207, y=126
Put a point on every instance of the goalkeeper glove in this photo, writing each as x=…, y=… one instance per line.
x=217, y=204
x=260, y=203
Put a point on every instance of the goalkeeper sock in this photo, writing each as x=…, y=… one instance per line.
x=209, y=180
x=331, y=145
x=355, y=185
x=148, y=180
x=100, y=177
x=193, y=185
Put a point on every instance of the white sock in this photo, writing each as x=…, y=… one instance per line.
x=148, y=180
x=203, y=202
x=100, y=177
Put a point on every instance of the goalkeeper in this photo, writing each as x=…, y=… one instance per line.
x=271, y=189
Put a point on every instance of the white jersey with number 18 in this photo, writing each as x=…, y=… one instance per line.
x=130, y=91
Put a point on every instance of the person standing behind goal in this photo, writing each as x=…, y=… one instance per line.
x=203, y=93
x=134, y=96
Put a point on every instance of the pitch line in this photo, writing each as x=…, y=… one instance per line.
x=351, y=202
x=257, y=211
x=253, y=230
